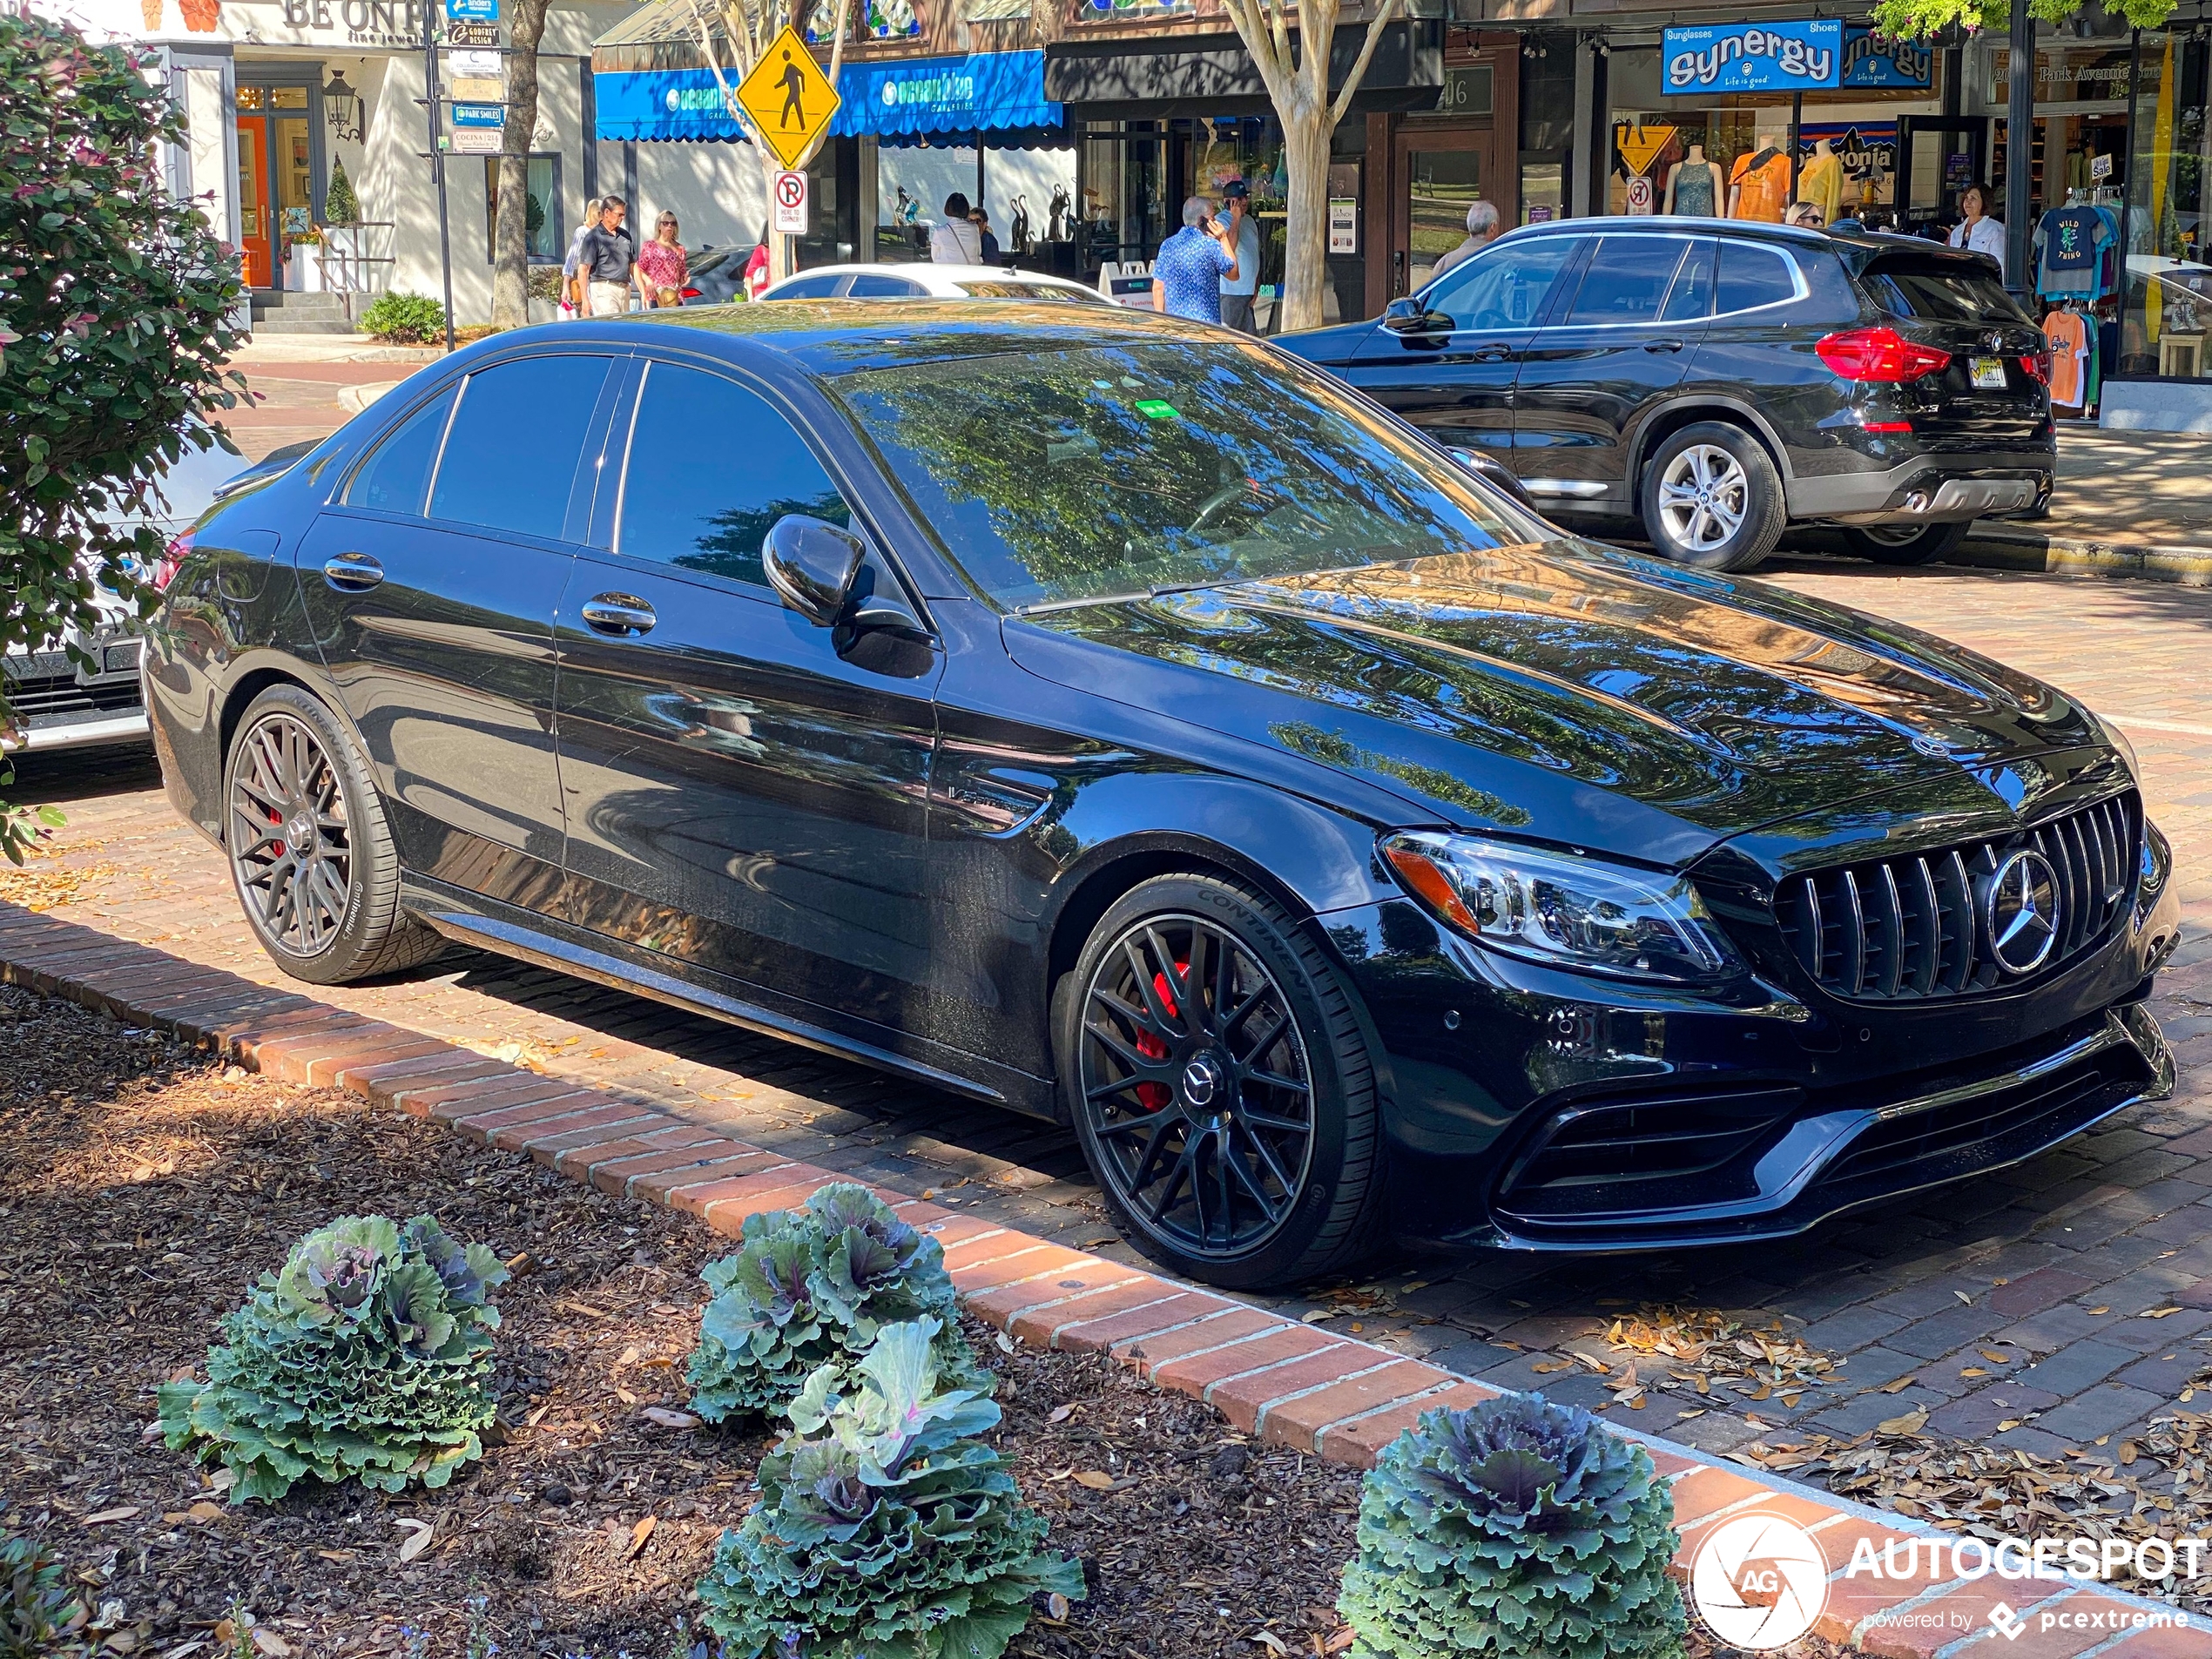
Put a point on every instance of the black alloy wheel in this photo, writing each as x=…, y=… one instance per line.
x=291, y=845
x=310, y=853
x=1220, y=1086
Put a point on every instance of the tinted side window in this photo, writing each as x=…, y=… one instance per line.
x=872, y=285
x=1691, y=298
x=710, y=467
x=807, y=288
x=396, y=475
x=1753, y=276
x=1505, y=286
x=1626, y=279
x=511, y=456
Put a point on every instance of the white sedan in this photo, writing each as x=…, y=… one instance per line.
x=929, y=283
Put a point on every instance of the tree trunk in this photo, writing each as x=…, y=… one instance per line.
x=1306, y=263
x=510, y=276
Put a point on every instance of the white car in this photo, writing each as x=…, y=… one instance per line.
x=929, y=283
x=59, y=703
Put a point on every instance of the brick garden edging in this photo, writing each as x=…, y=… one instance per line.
x=1283, y=1382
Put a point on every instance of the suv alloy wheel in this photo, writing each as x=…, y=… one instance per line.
x=1712, y=498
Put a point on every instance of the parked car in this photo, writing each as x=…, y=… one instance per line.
x=920, y=282
x=60, y=704
x=1141, y=732
x=1714, y=381
x=716, y=276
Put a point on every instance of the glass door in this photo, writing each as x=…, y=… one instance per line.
x=1439, y=172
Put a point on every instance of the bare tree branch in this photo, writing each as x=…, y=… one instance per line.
x=1385, y=14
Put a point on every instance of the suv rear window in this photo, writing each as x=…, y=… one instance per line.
x=1938, y=291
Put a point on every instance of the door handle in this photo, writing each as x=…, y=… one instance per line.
x=1490, y=354
x=352, y=572
x=1663, y=345
x=618, y=614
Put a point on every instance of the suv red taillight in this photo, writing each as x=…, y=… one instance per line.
x=2038, y=365
x=1879, y=354
x=164, y=569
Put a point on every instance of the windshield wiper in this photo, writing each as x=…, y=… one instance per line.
x=1161, y=591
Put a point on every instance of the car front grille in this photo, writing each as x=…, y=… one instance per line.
x=1914, y=927
x=53, y=697
x=1648, y=1152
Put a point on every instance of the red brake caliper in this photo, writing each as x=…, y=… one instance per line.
x=1154, y=1097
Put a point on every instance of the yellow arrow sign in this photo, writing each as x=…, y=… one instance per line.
x=789, y=98
x=1639, y=146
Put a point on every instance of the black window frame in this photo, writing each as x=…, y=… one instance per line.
x=1687, y=242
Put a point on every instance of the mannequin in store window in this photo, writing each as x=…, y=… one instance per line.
x=1758, y=186
x=1694, y=185
x=1820, y=181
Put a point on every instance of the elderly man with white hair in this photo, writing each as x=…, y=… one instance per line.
x=1189, y=268
x=1482, y=226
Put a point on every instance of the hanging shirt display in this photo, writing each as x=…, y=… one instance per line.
x=1762, y=181
x=2069, y=336
x=2070, y=246
x=1821, y=182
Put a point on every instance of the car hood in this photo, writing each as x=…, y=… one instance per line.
x=1572, y=692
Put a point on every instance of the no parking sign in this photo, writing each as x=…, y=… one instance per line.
x=791, y=204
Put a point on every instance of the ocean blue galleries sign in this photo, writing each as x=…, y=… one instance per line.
x=1753, y=57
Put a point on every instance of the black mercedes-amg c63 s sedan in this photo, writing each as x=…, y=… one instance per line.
x=1122, y=722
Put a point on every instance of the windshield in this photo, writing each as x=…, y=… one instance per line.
x=1949, y=291
x=1125, y=470
x=1038, y=291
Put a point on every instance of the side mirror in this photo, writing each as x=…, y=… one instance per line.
x=812, y=563
x=1408, y=316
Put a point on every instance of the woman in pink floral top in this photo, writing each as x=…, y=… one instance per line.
x=663, y=266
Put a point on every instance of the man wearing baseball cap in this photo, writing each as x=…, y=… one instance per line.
x=1237, y=290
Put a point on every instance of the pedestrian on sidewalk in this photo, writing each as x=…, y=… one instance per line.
x=957, y=241
x=573, y=296
x=1187, y=272
x=1483, y=229
x=663, y=266
x=1977, y=232
x=758, y=268
x=608, y=260
x=1238, y=291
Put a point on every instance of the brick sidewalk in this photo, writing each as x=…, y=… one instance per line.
x=2056, y=1262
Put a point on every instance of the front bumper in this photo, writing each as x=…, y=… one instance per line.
x=1531, y=1110
x=61, y=704
x=1933, y=489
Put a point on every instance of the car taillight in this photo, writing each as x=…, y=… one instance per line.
x=1880, y=355
x=691, y=293
x=2038, y=365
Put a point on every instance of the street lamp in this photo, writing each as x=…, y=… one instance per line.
x=342, y=107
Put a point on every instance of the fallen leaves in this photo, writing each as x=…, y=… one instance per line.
x=1704, y=1348
x=667, y=1419
x=1910, y=1423
x=638, y=1535
x=420, y=1533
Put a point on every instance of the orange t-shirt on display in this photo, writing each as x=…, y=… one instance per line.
x=2069, y=337
x=1765, y=190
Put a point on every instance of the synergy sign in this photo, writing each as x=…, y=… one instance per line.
x=1754, y=57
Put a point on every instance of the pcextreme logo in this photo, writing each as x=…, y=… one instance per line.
x=1760, y=1582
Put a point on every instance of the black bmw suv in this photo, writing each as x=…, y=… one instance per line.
x=1719, y=380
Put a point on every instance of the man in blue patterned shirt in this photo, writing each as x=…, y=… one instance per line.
x=1188, y=272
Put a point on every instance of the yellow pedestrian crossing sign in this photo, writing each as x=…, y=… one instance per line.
x=789, y=98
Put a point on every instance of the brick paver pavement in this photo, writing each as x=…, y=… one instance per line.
x=2055, y=1263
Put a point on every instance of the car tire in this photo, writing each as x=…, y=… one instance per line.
x=1904, y=543
x=1242, y=1149
x=1712, y=498
x=332, y=916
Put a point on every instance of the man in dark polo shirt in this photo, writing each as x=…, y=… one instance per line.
x=608, y=260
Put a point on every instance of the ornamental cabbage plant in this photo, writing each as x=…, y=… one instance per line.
x=368, y=1355
x=812, y=1287
x=1515, y=1528
x=884, y=1529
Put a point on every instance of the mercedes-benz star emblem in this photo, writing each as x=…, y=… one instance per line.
x=2023, y=912
x=1199, y=1079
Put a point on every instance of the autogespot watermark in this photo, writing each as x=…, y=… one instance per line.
x=1761, y=1580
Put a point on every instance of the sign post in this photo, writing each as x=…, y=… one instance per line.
x=430, y=101
x=791, y=103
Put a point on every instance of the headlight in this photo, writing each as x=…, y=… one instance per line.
x=1565, y=911
x=2157, y=865
x=2119, y=740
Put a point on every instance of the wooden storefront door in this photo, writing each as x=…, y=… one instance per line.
x=255, y=232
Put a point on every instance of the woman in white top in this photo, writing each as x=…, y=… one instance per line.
x=957, y=241
x=1978, y=233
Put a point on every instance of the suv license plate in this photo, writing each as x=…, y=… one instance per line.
x=1989, y=373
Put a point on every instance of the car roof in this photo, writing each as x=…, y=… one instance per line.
x=924, y=271
x=828, y=339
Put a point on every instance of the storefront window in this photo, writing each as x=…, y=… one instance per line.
x=1546, y=125
x=2167, y=310
x=1749, y=155
x=544, y=197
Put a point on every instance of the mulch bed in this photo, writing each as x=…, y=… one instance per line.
x=145, y=1187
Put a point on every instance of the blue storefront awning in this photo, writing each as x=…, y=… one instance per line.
x=914, y=97
x=662, y=106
